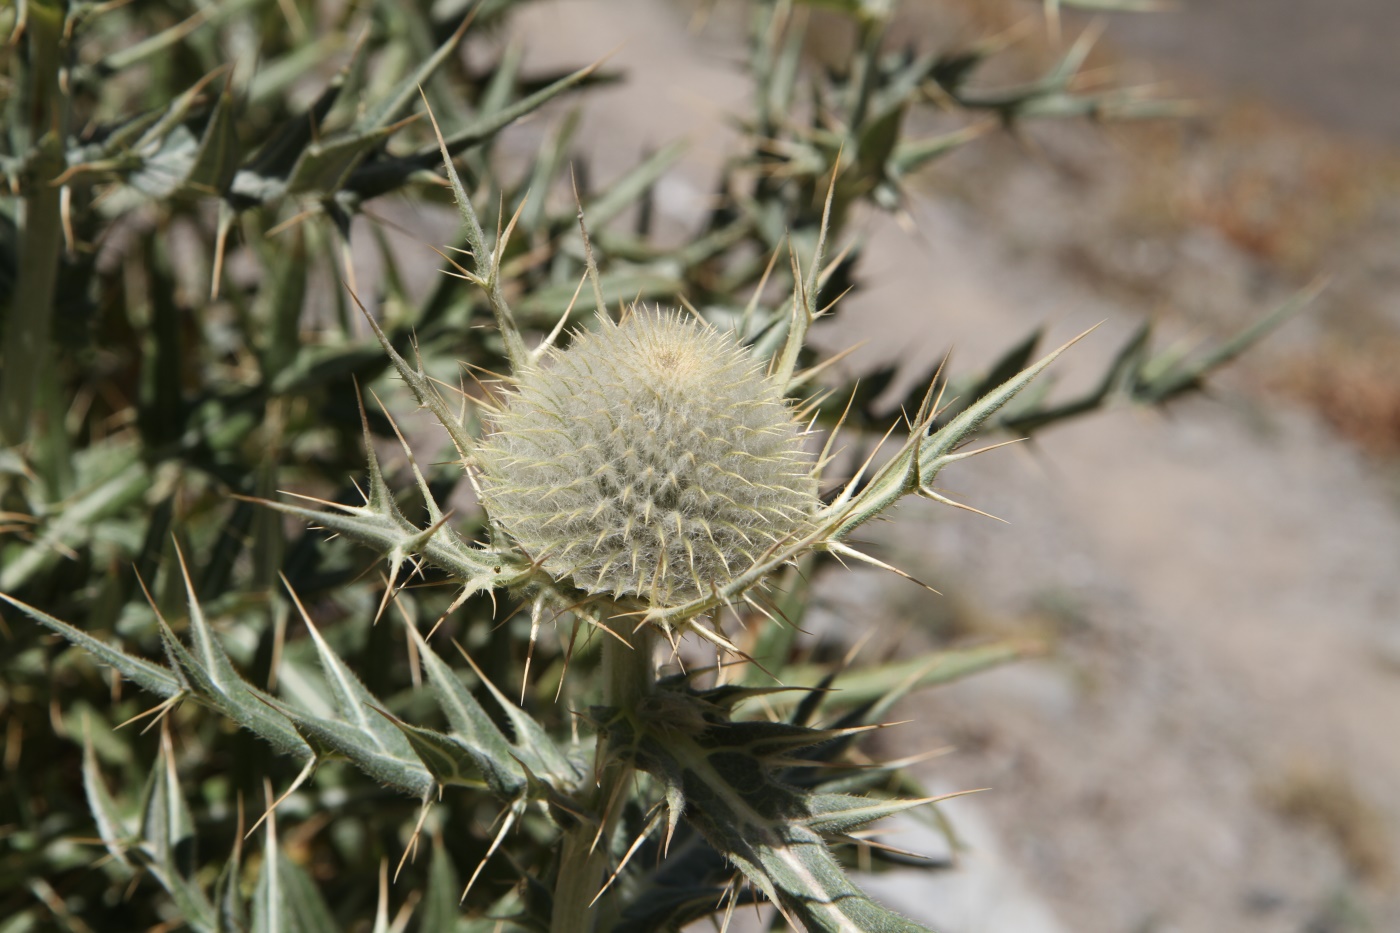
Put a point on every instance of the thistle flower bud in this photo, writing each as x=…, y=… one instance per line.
x=653, y=458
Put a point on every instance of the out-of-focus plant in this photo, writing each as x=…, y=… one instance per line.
x=171, y=216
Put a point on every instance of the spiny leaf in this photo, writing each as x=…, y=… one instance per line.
x=487, y=276
x=476, y=569
x=912, y=154
x=112, y=825
x=286, y=900
x=544, y=305
x=397, y=101
x=877, y=142
x=216, y=161
x=534, y=747
x=947, y=438
x=305, y=909
x=168, y=838
x=269, y=902
x=874, y=683
x=174, y=114
x=275, y=159
x=414, y=376
x=236, y=699
x=167, y=827
x=470, y=723
x=439, y=909
x=228, y=897
x=1178, y=379
x=351, y=699
x=489, y=124
x=447, y=759
x=323, y=167
x=1011, y=362
x=150, y=676
x=752, y=818
x=841, y=813
x=922, y=457
x=328, y=736
x=755, y=828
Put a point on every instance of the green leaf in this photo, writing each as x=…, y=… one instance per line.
x=174, y=115
x=352, y=700
x=476, y=569
x=775, y=643
x=487, y=276
x=1124, y=374
x=219, y=153
x=922, y=457
x=268, y=900
x=447, y=759
x=470, y=723
x=305, y=910
x=264, y=176
x=875, y=683
x=272, y=80
x=504, y=79
x=489, y=124
x=439, y=905
x=1178, y=379
x=548, y=163
x=232, y=916
x=946, y=439
x=756, y=821
x=152, y=677
x=877, y=143
x=632, y=186
x=167, y=826
x=396, y=102
x=329, y=737
x=167, y=830
x=285, y=899
x=73, y=526
x=112, y=825
x=841, y=813
x=534, y=747
x=545, y=305
x=323, y=167
x=218, y=687
x=912, y=154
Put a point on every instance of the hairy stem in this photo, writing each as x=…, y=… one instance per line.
x=628, y=668
x=585, y=857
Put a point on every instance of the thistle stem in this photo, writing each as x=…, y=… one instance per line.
x=628, y=668
x=26, y=350
x=585, y=855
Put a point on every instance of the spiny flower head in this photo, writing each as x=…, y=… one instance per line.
x=653, y=458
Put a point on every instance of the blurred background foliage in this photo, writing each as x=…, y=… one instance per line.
x=189, y=188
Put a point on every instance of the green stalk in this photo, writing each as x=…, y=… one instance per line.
x=628, y=669
x=26, y=353
x=867, y=67
x=583, y=866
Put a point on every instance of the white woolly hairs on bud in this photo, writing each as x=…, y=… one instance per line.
x=653, y=458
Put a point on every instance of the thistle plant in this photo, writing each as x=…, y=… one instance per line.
x=654, y=446
x=646, y=479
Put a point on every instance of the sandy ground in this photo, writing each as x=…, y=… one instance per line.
x=1214, y=743
x=1331, y=60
